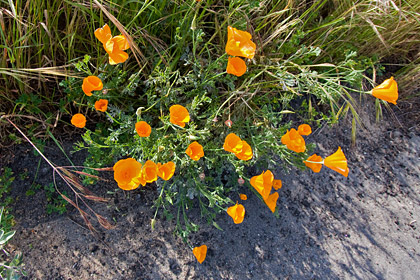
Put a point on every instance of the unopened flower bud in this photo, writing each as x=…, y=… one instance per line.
x=202, y=176
x=215, y=119
x=228, y=123
x=152, y=224
x=161, y=148
x=192, y=137
x=241, y=181
x=138, y=112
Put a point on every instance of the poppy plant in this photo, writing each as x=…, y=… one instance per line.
x=387, y=91
x=263, y=183
x=200, y=253
x=166, y=171
x=237, y=212
x=294, y=141
x=304, y=129
x=271, y=201
x=246, y=152
x=143, y=129
x=195, y=151
x=101, y=105
x=90, y=84
x=179, y=115
x=236, y=66
x=337, y=162
x=239, y=43
x=314, y=162
x=127, y=173
x=233, y=143
x=78, y=120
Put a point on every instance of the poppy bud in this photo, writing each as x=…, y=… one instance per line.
x=228, y=123
x=241, y=181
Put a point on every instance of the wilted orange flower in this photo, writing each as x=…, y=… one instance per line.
x=103, y=34
x=277, y=184
x=166, y=171
x=237, y=212
x=243, y=196
x=200, y=253
x=101, y=105
x=179, y=115
x=314, y=162
x=387, y=91
x=115, y=47
x=304, y=129
x=239, y=43
x=90, y=84
x=246, y=152
x=143, y=129
x=127, y=173
x=337, y=162
x=233, y=143
x=236, y=66
x=78, y=120
x=271, y=201
x=263, y=183
x=195, y=151
x=294, y=141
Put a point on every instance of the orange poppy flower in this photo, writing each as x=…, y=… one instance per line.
x=233, y=143
x=103, y=34
x=78, y=120
x=337, y=162
x=239, y=43
x=246, y=152
x=166, y=171
x=127, y=173
x=179, y=115
x=149, y=172
x=294, y=141
x=314, y=162
x=304, y=129
x=200, y=253
x=243, y=196
x=263, y=183
x=101, y=105
x=277, y=184
x=387, y=91
x=143, y=129
x=195, y=151
x=115, y=47
x=236, y=66
x=90, y=84
x=271, y=201
x=237, y=212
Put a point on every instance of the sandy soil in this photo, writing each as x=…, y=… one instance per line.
x=365, y=226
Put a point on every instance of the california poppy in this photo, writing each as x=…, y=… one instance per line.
x=337, y=162
x=166, y=171
x=195, y=151
x=115, y=47
x=277, y=184
x=101, y=105
x=149, y=171
x=237, y=212
x=314, y=162
x=233, y=143
x=246, y=152
x=90, y=84
x=127, y=173
x=239, y=43
x=78, y=120
x=294, y=141
x=243, y=196
x=263, y=183
x=103, y=34
x=387, y=91
x=236, y=66
x=271, y=201
x=143, y=129
x=200, y=253
x=304, y=129
x=179, y=115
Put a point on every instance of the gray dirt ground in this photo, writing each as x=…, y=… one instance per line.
x=365, y=226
